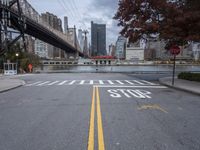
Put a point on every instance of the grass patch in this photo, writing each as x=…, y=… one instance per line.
x=189, y=76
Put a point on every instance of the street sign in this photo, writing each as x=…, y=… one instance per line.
x=175, y=50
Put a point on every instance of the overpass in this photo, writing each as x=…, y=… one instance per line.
x=21, y=16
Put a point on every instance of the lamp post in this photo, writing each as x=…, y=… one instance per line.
x=17, y=55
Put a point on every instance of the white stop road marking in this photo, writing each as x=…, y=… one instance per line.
x=129, y=93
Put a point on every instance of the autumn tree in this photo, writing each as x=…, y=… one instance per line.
x=176, y=21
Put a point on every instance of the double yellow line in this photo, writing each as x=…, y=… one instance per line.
x=96, y=98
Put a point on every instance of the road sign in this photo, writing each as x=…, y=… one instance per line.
x=175, y=50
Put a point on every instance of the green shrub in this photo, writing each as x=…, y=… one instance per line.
x=189, y=76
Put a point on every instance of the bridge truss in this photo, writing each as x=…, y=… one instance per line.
x=24, y=19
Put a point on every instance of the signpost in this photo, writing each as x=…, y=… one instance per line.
x=174, y=50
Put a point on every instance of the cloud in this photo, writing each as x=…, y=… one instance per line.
x=99, y=11
x=102, y=12
x=108, y=4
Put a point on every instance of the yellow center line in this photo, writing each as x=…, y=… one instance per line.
x=99, y=123
x=91, y=130
x=101, y=146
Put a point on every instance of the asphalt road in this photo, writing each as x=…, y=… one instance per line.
x=98, y=112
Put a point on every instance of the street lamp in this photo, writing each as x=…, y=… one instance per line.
x=17, y=55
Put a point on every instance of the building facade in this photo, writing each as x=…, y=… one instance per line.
x=98, y=39
x=195, y=48
x=155, y=50
x=52, y=51
x=81, y=39
x=120, y=47
x=135, y=51
x=41, y=48
x=85, y=45
x=66, y=24
x=52, y=20
x=111, y=50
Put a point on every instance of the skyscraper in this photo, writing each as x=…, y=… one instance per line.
x=56, y=23
x=65, y=24
x=120, y=47
x=52, y=20
x=81, y=39
x=98, y=39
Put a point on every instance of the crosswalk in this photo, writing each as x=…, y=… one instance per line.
x=91, y=82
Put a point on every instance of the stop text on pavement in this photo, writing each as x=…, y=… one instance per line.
x=129, y=93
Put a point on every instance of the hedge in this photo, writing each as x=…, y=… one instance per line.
x=189, y=76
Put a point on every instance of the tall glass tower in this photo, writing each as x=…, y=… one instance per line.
x=98, y=39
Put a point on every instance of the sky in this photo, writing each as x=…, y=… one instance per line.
x=81, y=12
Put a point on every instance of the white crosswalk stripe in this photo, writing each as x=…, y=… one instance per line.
x=72, y=82
x=52, y=83
x=119, y=82
x=34, y=83
x=43, y=83
x=92, y=82
x=148, y=82
x=129, y=82
x=101, y=82
x=110, y=82
x=63, y=82
x=82, y=82
x=138, y=82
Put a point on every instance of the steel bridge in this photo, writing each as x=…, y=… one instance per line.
x=21, y=16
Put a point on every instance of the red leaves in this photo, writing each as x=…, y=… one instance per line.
x=173, y=20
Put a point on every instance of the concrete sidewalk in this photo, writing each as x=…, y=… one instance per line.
x=8, y=83
x=185, y=85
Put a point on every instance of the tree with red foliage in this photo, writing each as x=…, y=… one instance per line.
x=176, y=21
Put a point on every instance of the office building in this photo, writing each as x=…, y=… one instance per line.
x=66, y=24
x=85, y=45
x=52, y=20
x=41, y=48
x=98, y=39
x=120, y=47
x=52, y=51
x=81, y=39
x=111, y=50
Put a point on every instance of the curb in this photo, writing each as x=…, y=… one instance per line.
x=178, y=88
x=21, y=84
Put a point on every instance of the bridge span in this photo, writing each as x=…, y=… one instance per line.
x=27, y=19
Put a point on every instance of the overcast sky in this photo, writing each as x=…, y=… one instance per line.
x=82, y=12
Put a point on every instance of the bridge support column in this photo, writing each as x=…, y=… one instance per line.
x=5, y=22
